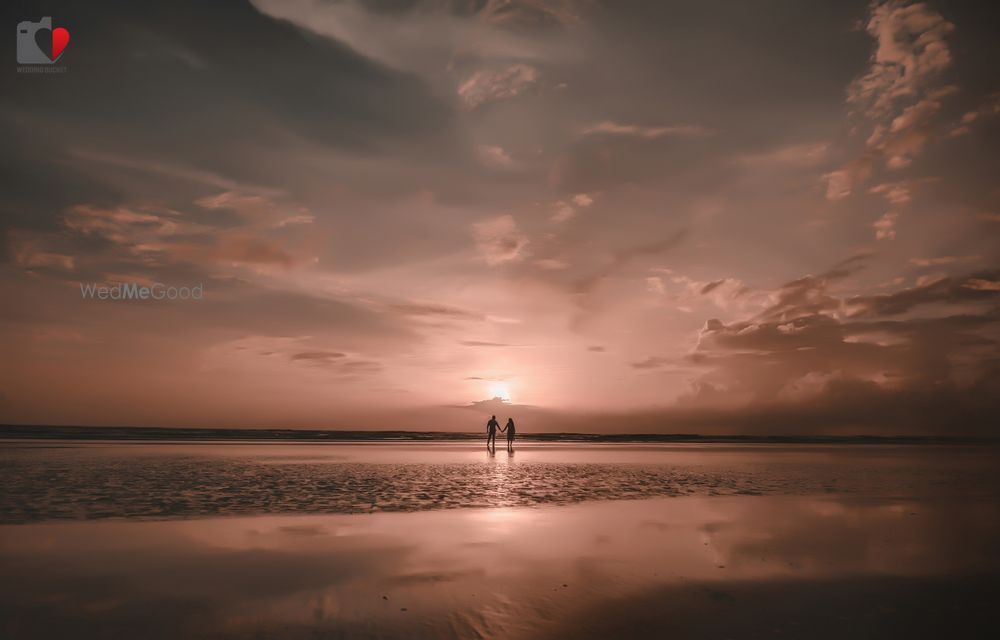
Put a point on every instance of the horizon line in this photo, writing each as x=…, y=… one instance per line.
x=150, y=433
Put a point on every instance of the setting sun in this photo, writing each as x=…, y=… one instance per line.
x=500, y=390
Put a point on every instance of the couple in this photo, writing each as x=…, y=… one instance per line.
x=491, y=433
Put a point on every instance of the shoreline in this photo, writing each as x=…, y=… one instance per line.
x=186, y=434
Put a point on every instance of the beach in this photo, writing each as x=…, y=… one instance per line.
x=558, y=540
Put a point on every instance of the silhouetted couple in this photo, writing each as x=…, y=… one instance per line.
x=491, y=433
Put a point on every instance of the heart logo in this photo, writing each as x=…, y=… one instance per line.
x=60, y=38
x=52, y=42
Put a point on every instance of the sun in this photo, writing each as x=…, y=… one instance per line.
x=500, y=390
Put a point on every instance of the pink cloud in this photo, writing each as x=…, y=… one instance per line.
x=885, y=227
x=499, y=240
x=485, y=85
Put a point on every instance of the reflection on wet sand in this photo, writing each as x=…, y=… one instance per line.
x=695, y=567
x=162, y=481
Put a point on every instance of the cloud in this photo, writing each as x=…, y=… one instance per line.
x=885, y=227
x=942, y=260
x=234, y=200
x=495, y=85
x=900, y=94
x=790, y=156
x=304, y=218
x=990, y=108
x=434, y=310
x=220, y=87
x=303, y=357
x=564, y=213
x=837, y=371
x=839, y=183
x=622, y=258
x=686, y=293
x=338, y=363
x=319, y=357
x=493, y=157
x=910, y=54
x=980, y=286
x=34, y=251
x=583, y=200
x=390, y=37
x=611, y=128
x=810, y=295
x=532, y=13
x=983, y=284
x=499, y=240
x=896, y=193
x=158, y=236
x=908, y=132
x=654, y=284
x=126, y=226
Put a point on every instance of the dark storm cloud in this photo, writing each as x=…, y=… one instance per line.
x=982, y=286
x=855, y=406
x=174, y=82
x=809, y=295
x=805, y=360
x=198, y=69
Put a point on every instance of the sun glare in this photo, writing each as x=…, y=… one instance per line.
x=500, y=390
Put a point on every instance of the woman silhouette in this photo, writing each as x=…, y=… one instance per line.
x=510, y=430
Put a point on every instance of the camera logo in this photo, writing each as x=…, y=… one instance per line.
x=39, y=43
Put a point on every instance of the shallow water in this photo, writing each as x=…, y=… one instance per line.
x=73, y=481
x=679, y=567
x=110, y=540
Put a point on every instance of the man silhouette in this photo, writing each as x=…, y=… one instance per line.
x=491, y=432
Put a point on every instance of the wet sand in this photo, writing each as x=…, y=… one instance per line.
x=916, y=558
x=73, y=481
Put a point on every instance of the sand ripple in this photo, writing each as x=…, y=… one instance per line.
x=35, y=486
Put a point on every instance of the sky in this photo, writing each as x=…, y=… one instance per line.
x=609, y=216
